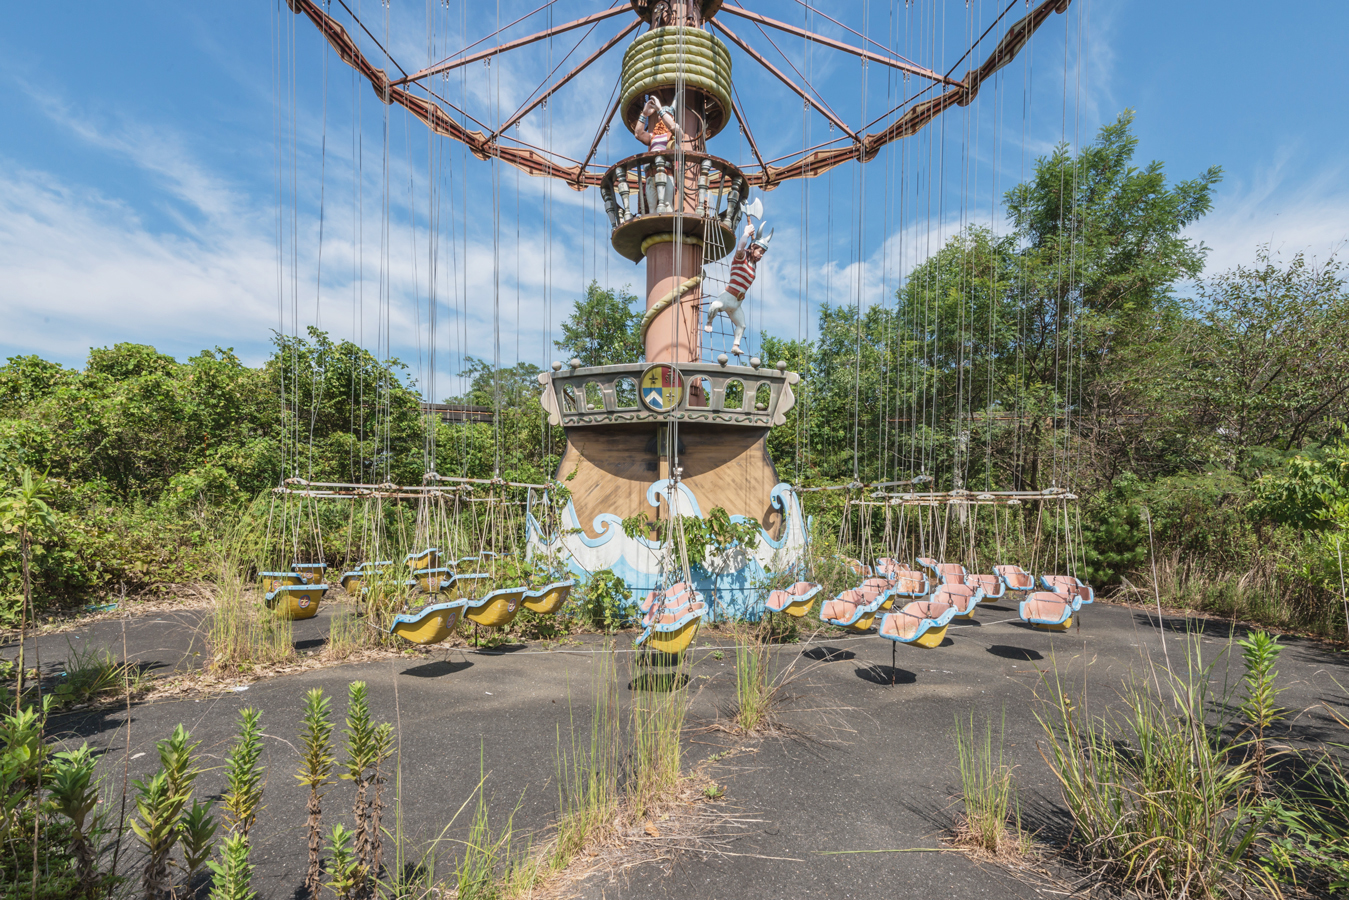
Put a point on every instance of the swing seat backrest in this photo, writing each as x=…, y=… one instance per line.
x=802, y=590
x=875, y=587
x=1046, y=608
x=916, y=618
x=991, y=585
x=423, y=559
x=928, y=563
x=1015, y=578
x=962, y=597
x=951, y=572
x=670, y=616
x=842, y=608
x=1069, y=586
x=666, y=600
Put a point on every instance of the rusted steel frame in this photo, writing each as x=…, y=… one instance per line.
x=604, y=126
x=447, y=65
x=1017, y=36
x=560, y=63
x=795, y=153
x=903, y=66
x=434, y=117
x=451, y=105
x=749, y=136
x=825, y=15
x=608, y=45
x=434, y=476
x=508, y=25
x=994, y=24
x=757, y=57
x=355, y=18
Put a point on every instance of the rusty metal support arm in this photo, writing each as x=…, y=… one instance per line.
x=525, y=110
x=599, y=135
x=749, y=136
x=758, y=57
x=902, y=65
x=448, y=64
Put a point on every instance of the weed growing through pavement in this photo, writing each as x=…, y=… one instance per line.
x=1259, y=654
x=759, y=684
x=587, y=773
x=1158, y=799
x=991, y=822
x=244, y=632
x=93, y=674
x=347, y=634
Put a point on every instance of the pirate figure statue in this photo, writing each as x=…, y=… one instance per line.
x=657, y=127
x=748, y=251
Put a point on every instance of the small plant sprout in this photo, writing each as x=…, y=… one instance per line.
x=243, y=777
x=316, y=769
x=1259, y=653
x=234, y=873
x=367, y=745
x=197, y=830
x=75, y=794
x=160, y=800
x=345, y=872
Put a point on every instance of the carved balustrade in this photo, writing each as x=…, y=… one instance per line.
x=757, y=397
x=643, y=193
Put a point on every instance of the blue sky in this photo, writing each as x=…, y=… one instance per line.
x=153, y=152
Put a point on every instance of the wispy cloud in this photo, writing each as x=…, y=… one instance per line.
x=1294, y=204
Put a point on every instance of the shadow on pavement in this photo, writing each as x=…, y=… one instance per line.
x=828, y=654
x=437, y=669
x=886, y=675
x=1021, y=653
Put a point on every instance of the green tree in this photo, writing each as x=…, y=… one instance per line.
x=1270, y=354
x=602, y=328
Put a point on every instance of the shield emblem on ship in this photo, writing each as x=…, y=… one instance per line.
x=662, y=388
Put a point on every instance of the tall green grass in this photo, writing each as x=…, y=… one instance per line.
x=244, y=633
x=992, y=820
x=587, y=771
x=655, y=730
x=1159, y=799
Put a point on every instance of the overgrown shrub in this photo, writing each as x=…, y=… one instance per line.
x=605, y=601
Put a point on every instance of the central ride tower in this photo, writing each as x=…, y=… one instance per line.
x=677, y=432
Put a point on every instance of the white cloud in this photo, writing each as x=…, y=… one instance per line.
x=1291, y=205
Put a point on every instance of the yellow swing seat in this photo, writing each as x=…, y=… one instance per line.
x=921, y=623
x=310, y=573
x=963, y=597
x=548, y=599
x=431, y=581
x=1047, y=611
x=431, y=624
x=424, y=559
x=273, y=580
x=672, y=632
x=296, y=601
x=496, y=610
x=795, y=601
x=353, y=582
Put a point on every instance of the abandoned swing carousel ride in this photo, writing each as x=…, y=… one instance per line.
x=683, y=432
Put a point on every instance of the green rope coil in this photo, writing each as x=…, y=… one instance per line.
x=660, y=57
